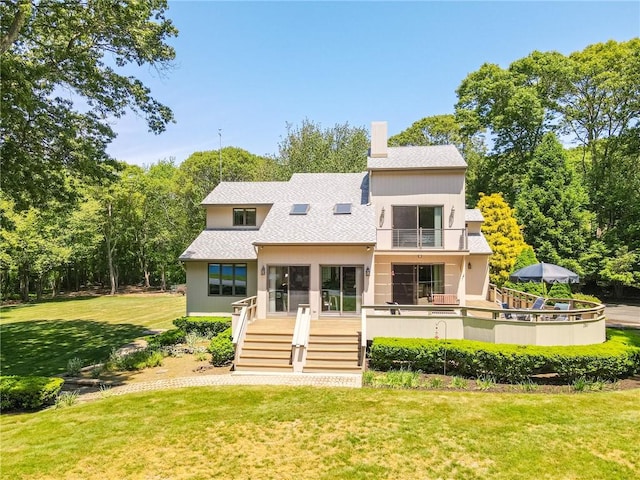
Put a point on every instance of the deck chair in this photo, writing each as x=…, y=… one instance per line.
x=505, y=307
x=538, y=304
x=394, y=311
x=561, y=306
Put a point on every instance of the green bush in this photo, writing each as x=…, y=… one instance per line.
x=560, y=290
x=221, y=348
x=137, y=360
x=588, y=298
x=618, y=357
x=28, y=393
x=165, y=339
x=532, y=288
x=207, y=327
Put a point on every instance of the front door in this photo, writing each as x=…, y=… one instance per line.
x=404, y=284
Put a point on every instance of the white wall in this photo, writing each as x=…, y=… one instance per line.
x=314, y=256
x=221, y=216
x=477, y=281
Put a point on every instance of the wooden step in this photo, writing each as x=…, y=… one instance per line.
x=268, y=337
x=339, y=355
x=264, y=359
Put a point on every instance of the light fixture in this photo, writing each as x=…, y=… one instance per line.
x=263, y=270
x=469, y=266
x=451, y=216
x=368, y=248
x=382, y=217
x=367, y=272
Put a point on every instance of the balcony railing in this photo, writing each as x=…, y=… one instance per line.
x=423, y=239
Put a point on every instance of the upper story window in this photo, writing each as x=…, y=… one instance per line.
x=244, y=217
x=299, y=209
x=342, y=209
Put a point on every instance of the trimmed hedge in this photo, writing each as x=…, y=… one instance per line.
x=28, y=393
x=204, y=326
x=618, y=357
x=221, y=348
x=167, y=338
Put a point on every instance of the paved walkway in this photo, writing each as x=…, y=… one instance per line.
x=622, y=314
x=237, y=378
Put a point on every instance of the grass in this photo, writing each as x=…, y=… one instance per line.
x=40, y=338
x=283, y=432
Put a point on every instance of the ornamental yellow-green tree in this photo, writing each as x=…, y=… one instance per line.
x=504, y=234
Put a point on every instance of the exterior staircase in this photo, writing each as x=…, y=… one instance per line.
x=266, y=349
x=332, y=353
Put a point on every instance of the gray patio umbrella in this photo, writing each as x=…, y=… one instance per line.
x=544, y=272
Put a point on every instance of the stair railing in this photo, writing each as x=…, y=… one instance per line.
x=362, y=351
x=244, y=312
x=300, y=340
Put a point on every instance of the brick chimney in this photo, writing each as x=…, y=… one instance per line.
x=378, y=140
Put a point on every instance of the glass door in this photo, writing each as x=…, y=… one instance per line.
x=288, y=288
x=341, y=289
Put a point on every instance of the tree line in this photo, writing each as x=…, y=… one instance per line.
x=71, y=216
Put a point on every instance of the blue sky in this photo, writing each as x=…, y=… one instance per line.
x=248, y=68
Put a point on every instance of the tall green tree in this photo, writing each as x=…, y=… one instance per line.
x=63, y=76
x=309, y=148
x=552, y=205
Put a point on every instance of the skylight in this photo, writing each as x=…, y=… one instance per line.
x=342, y=209
x=299, y=209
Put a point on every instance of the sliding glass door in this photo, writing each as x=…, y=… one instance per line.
x=341, y=289
x=417, y=226
x=416, y=284
x=288, y=288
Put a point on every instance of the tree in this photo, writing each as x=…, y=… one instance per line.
x=503, y=234
x=525, y=258
x=60, y=86
x=308, y=148
x=552, y=205
x=621, y=270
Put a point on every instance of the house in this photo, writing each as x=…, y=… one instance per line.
x=398, y=232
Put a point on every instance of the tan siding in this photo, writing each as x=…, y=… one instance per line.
x=221, y=216
x=199, y=302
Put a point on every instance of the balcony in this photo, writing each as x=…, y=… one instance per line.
x=422, y=239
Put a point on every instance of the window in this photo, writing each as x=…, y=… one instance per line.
x=299, y=209
x=228, y=279
x=342, y=209
x=244, y=217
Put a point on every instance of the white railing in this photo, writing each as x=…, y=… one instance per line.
x=363, y=336
x=244, y=312
x=422, y=239
x=300, y=339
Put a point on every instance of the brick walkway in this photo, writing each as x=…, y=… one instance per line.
x=292, y=379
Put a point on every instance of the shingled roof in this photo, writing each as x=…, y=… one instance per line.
x=432, y=157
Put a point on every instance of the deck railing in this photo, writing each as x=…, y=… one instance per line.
x=300, y=339
x=422, y=239
x=244, y=312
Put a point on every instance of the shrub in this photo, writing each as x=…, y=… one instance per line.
x=74, y=365
x=207, y=327
x=137, y=360
x=164, y=339
x=28, y=393
x=66, y=399
x=560, y=290
x=619, y=357
x=582, y=296
x=222, y=349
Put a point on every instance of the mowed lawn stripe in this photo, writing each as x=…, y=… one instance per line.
x=283, y=432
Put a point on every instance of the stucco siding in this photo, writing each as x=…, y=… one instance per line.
x=199, y=302
x=477, y=282
x=221, y=216
x=313, y=256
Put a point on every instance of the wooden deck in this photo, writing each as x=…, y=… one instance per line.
x=322, y=326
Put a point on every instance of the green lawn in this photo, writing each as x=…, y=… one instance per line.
x=311, y=433
x=40, y=338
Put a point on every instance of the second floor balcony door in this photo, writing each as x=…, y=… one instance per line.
x=417, y=226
